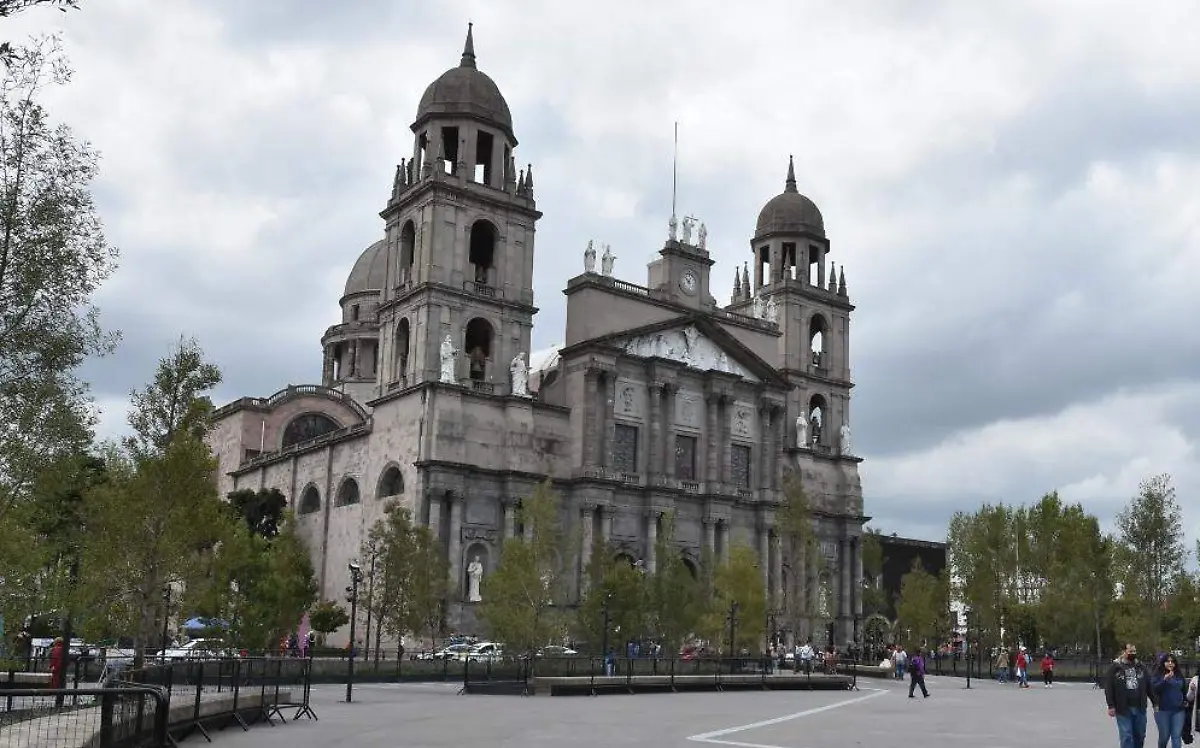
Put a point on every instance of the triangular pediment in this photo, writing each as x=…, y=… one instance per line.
x=686, y=345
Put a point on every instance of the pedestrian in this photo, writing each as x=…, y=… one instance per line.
x=1170, y=696
x=916, y=672
x=58, y=662
x=901, y=660
x=1047, y=670
x=1023, y=668
x=1127, y=691
x=1002, y=666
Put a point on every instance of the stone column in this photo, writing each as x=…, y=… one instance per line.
x=668, y=430
x=712, y=436
x=764, y=458
x=593, y=430
x=606, y=517
x=776, y=570
x=656, y=433
x=456, y=511
x=814, y=584
x=856, y=547
x=510, y=518
x=725, y=540
x=608, y=408
x=764, y=557
x=353, y=358
x=327, y=366
x=710, y=537
x=724, y=428
x=435, y=515
x=587, y=518
x=844, y=572
x=651, y=540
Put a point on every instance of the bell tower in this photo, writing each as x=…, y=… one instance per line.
x=460, y=234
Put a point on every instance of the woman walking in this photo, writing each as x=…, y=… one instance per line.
x=1170, y=691
x=1047, y=670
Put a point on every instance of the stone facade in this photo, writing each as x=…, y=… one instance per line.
x=660, y=400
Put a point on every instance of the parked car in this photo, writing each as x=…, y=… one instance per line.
x=452, y=652
x=485, y=651
x=555, y=650
x=197, y=649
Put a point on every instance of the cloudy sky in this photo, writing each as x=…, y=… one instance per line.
x=1013, y=189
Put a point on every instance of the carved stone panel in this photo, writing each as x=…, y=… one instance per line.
x=689, y=409
x=742, y=421
x=480, y=534
x=481, y=511
x=626, y=526
x=629, y=400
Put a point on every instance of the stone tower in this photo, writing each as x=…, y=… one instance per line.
x=460, y=233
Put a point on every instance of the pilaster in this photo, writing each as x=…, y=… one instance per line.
x=455, y=544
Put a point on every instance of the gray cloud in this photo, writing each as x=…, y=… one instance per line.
x=1009, y=189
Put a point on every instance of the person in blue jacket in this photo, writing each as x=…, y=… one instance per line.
x=1170, y=691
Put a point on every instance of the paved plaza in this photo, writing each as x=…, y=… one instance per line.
x=433, y=716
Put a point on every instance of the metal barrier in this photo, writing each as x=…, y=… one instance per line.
x=126, y=716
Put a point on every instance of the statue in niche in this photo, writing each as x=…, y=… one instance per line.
x=607, y=260
x=474, y=577
x=846, y=439
x=757, y=307
x=824, y=601
x=801, y=432
x=688, y=224
x=448, y=358
x=520, y=375
x=703, y=238
x=589, y=258
x=771, y=310
x=672, y=228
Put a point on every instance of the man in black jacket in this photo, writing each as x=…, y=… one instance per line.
x=1127, y=691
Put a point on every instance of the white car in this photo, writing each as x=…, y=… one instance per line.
x=555, y=650
x=196, y=649
x=485, y=651
x=453, y=652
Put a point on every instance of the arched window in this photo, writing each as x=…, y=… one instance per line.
x=402, y=346
x=817, y=333
x=477, y=342
x=483, y=252
x=310, y=500
x=307, y=426
x=347, y=493
x=391, y=483
x=816, y=419
x=408, y=249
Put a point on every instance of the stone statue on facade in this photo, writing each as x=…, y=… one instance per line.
x=757, y=307
x=845, y=435
x=449, y=356
x=520, y=375
x=824, y=601
x=474, y=577
x=771, y=310
x=801, y=431
x=607, y=260
x=589, y=258
x=688, y=224
x=673, y=228
x=702, y=240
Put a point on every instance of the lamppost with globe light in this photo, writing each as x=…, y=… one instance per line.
x=352, y=591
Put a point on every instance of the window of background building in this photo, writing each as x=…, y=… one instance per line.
x=625, y=447
x=741, y=466
x=685, y=457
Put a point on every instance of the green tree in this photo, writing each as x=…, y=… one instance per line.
x=520, y=596
x=429, y=585
x=874, y=598
x=738, y=581
x=615, y=586
x=923, y=606
x=327, y=617
x=154, y=523
x=1152, y=556
x=674, y=598
x=794, y=523
x=261, y=510
x=984, y=555
x=53, y=257
x=412, y=577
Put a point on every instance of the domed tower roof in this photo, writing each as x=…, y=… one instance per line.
x=464, y=91
x=789, y=212
x=370, y=271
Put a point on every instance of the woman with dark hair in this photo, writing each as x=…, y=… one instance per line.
x=1170, y=692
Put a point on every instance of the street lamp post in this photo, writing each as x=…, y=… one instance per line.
x=967, y=646
x=604, y=637
x=355, y=580
x=162, y=652
x=733, y=611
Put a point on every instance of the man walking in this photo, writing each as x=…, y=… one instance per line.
x=1126, y=690
x=916, y=671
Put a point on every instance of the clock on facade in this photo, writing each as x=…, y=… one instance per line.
x=689, y=282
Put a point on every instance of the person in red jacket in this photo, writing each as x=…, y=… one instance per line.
x=1047, y=670
x=58, y=663
x=1022, y=668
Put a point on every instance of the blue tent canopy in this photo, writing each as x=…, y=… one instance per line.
x=199, y=623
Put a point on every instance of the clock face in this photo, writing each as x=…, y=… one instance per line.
x=689, y=282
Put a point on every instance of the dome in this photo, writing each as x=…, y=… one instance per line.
x=370, y=271
x=464, y=91
x=790, y=212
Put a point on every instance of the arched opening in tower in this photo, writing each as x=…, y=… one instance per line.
x=402, y=346
x=816, y=340
x=483, y=251
x=408, y=248
x=816, y=267
x=790, y=261
x=483, y=158
x=762, y=270
x=816, y=418
x=477, y=342
x=449, y=152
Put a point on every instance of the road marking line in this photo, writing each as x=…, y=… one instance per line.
x=710, y=737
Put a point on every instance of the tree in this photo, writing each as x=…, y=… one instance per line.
x=157, y=519
x=9, y=55
x=923, y=606
x=327, y=617
x=519, y=596
x=738, y=581
x=412, y=576
x=983, y=555
x=261, y=510
x=53, y=257
x=874, y=599
x=794, y=523
x=674, y=598
x=617, y=586
x=1152, y=555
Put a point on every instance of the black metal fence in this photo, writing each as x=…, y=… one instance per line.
x=133, y=716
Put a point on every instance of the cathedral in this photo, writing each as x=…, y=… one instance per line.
x=659, y=400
